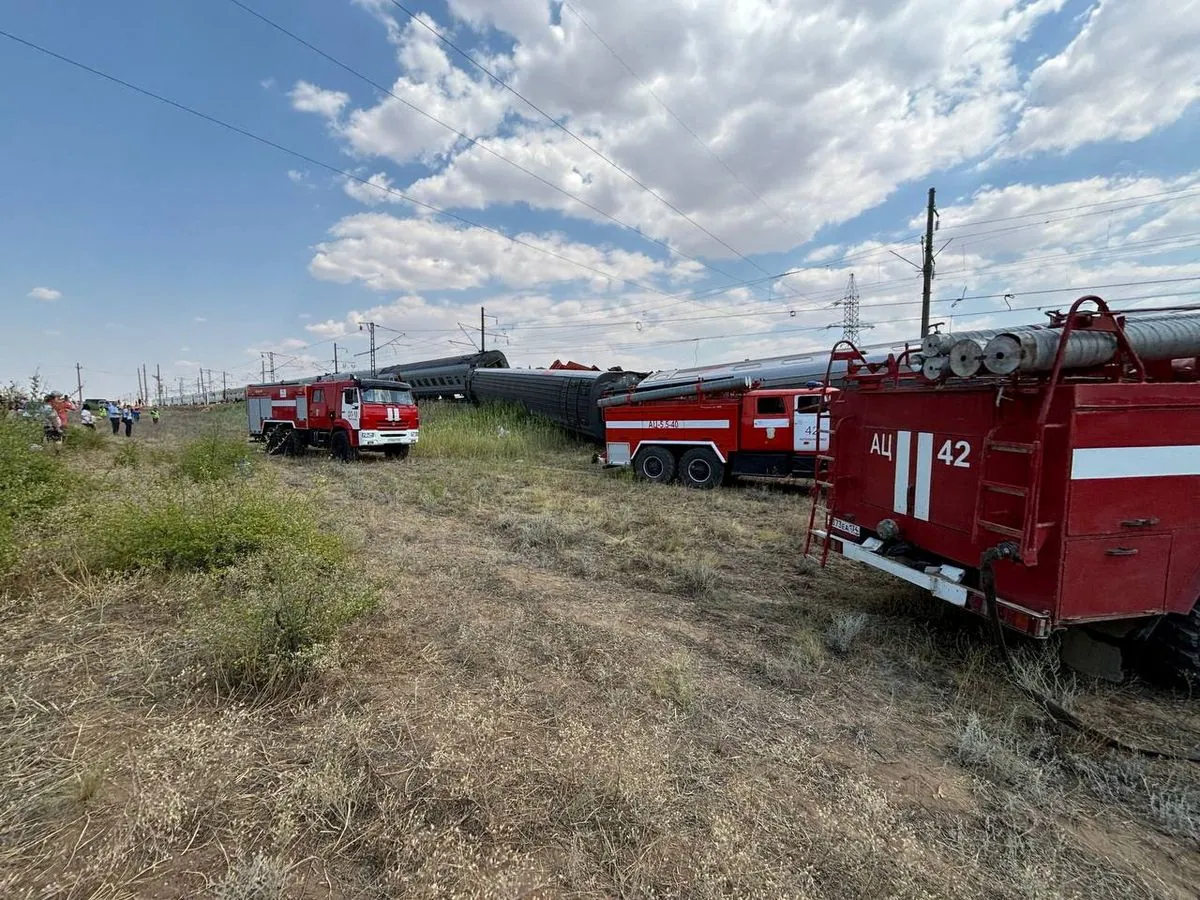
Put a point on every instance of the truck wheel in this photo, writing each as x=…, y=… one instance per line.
x=340, y=448
x=1172, y=652
x=655, y=464
x=700, y=468
x=400, y=451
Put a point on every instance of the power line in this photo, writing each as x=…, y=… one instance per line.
x=672, y=114
x=1189, y=191
x=445, y=40
x=473, y=141
x=316, y=162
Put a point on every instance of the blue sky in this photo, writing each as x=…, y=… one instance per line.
x=134, y=233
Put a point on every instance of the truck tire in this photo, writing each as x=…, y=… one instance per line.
x=400, y=451
x=700, y=468
x=340, y=449
x=1172, y=652
x=655, y=464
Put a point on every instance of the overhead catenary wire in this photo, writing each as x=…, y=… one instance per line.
x=473, y=141
x=682, y=124
x=557, y=124
x=610, y=276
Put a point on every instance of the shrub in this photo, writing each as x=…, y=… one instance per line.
x=85, y=439
x=843, y=630
x=204, y=528
x=275, y=619
x=127, y=456
x=32, y=480
x=213, y=458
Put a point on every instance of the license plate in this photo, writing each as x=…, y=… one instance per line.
x=847, y=527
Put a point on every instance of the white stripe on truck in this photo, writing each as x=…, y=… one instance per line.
x=924, y=475
x=1088, y=464
x=670, y=424
x=900, y=487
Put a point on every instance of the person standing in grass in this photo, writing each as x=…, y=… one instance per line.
x=154, y=414
x=114, y=416
x=86, y=419
x=127, y=418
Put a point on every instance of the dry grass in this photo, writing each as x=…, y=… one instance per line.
x=573, y=685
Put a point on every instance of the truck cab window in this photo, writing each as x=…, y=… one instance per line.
x=771, y=406
x=319, y=395
x=808, y=403
x=350, y=396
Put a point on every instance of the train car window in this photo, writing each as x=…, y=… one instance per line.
x=771, y=406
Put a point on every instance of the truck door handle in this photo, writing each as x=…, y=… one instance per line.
x=1139, y=523
x=1121, y=551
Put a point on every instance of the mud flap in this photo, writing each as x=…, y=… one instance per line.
x=1092, y=655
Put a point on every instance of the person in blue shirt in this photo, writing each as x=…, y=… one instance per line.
x=114, y=416
x=127, y=418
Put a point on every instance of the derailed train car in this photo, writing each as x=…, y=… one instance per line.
x=445, y=378
x=569, y=398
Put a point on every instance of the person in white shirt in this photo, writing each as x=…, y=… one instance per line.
x=86, y=418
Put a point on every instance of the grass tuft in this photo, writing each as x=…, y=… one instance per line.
x=843, y=631
x=490, y=431
x=214, y=457
x=274, y=621
x=257, y=877
x=33, y=480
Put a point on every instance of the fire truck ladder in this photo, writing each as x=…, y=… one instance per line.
x=1029, y=534
x=824, y=479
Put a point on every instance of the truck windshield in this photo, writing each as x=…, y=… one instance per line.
x=387, y=395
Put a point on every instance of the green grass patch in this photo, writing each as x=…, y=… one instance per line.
x=84, y=439
x=33, y=479
x=190, y=528
x=128, y=456
x=274, y=620
x=489, y=431
x=214, y=457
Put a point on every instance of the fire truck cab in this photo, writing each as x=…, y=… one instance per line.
x=345, y=414
x=705, y=439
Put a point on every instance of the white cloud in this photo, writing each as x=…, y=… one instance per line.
x=1133, y=68
x=296, y=176
x=388, y=253
x=267, y=84
x=45, y=294
x=186, y=364
x=826, y=111
x=308, y=97
x=199, y=319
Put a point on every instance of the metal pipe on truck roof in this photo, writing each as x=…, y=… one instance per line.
x=1152, y=338
x=677, y=390
x=966, y=357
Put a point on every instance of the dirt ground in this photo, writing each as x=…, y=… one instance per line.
x=575, y=686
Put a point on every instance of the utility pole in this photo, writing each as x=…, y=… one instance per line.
x=145, y=384
x=371, y=332
x=927, y=269
x=224, y=386
x=158, y=391
x=335, y=358
x=850, y=320
x=262, y=358
x=138, y=372
x=79, y=381
x=181, y=390
x=482, y=332
x=210, y=385
x=271, y=360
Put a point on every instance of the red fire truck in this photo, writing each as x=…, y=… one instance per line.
x=345, y=413
x=1055, y=487
x=709, y=431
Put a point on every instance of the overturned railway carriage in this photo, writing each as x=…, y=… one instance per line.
x=1062, y=494
x=445, y=378
x=568, y=398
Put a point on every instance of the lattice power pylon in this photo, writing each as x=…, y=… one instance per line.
x=849, y=303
